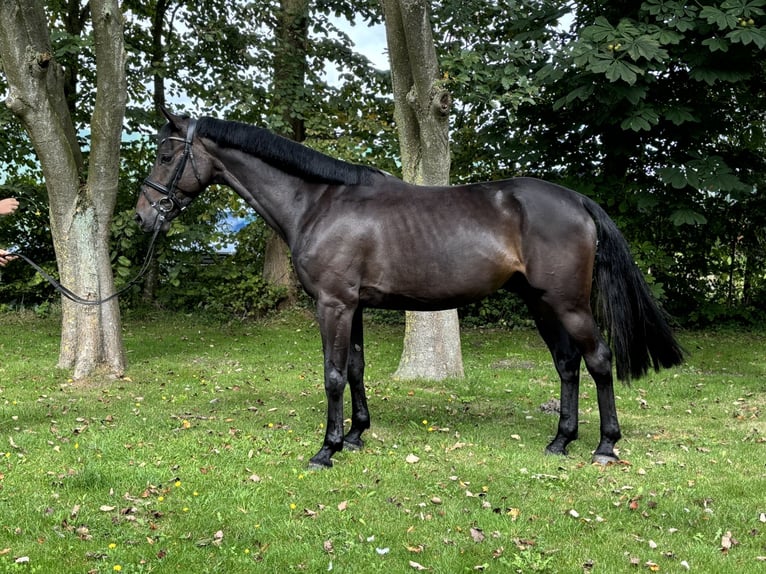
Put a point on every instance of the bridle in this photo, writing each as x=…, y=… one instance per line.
x=168, y=202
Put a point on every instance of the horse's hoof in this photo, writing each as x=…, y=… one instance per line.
x=555, y=451
x=353, y=446
x=604, y=459
x=319, y=464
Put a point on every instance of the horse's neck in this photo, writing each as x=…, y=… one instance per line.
x=273, y=194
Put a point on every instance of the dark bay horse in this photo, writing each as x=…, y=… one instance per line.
x=362, y=238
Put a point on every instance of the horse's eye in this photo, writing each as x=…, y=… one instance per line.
x=165, y=158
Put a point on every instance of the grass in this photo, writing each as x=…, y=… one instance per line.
x=196, y=460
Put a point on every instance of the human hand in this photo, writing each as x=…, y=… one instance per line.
x=8, y=205
x=6, y=257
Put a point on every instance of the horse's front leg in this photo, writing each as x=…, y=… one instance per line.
x=360, y=415
x=335, y=321
x=566, y=358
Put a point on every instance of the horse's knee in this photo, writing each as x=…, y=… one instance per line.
x=334, y=384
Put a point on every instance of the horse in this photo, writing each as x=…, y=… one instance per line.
x=362, y=238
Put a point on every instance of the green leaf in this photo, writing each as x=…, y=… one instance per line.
x=646, y=47
x=718, y=17
x=668, y=36
x=746, y=36
x=716, y=44
x=685, y=216
x=679, y=115
x=642, y=120
x=674, y=176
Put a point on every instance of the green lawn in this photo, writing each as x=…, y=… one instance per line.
x=196, y=460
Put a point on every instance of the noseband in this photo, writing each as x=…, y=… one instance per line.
x=169, y=201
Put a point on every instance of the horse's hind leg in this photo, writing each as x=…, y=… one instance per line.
x=598, y=360
x=566, y=358
x=360, y=415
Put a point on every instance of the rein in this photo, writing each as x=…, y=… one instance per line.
x=69, y=294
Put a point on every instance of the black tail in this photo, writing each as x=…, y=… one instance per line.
x=637, y=328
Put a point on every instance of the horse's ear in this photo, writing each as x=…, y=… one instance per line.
x=171, y=117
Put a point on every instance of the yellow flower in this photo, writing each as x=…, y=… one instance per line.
x=293, y=506
x=178, y=483
x=112, y=546
x=117, y=568
x=160, y=498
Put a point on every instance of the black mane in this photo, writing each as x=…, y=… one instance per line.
x=283, y=153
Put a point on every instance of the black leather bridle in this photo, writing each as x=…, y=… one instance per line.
x=168, y=202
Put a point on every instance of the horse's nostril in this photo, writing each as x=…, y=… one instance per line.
x=137, y=217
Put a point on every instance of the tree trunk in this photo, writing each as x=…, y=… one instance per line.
x=432, y=340
x=290, y=68
x=80, y=211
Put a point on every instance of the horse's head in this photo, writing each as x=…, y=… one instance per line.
x=181, y=171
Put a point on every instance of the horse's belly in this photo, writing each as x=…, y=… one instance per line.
x=428, y=288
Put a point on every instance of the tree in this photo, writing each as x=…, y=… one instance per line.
x=288, y=104
x=421, y=110
x=80, y=201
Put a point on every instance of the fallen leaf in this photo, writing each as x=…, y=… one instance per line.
x=22, y=560
x=327, y=546
x=417, y=566
x=106, y=508
x=477, y=534
x=5, y=551
x=412, y=459
x=654, y=567
x=727, y=542
x=343, y=505
x=382, y=551
x=218, y=538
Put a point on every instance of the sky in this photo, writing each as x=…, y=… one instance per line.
x=368, y=40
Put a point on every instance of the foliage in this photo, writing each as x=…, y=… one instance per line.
x=200, y=465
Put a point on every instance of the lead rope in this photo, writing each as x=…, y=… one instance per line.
x=69, y=294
